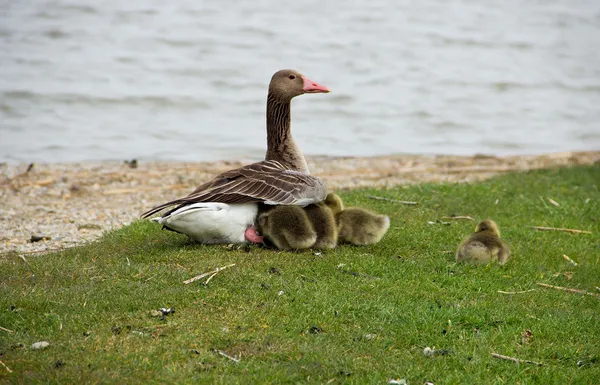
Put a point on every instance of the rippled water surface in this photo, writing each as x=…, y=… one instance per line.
x=187, y=80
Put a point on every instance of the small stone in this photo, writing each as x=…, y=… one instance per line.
x=429, y=352
x=370, y=336
x=40, y=345
x=132, y=163
x=167, y=310
x=38, y=238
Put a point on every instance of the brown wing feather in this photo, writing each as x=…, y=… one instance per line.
x=266, y=181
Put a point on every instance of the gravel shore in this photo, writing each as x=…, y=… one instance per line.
x=74, y=203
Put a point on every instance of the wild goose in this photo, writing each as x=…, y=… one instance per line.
x=224, y=209
x=483, y=245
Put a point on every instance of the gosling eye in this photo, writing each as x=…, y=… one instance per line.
x=292, y=76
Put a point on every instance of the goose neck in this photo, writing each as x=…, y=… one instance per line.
x=280, y=144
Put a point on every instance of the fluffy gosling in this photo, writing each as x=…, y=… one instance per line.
x=483, y=245
x=287, y=227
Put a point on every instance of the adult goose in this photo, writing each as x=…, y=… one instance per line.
x=224, y=209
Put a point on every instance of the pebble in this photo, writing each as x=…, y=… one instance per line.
x=38, y=238
x=40, y=345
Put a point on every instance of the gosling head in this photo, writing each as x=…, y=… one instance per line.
x=334, y=202
x=489, y=226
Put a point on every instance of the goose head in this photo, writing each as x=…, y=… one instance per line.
x=287, y=84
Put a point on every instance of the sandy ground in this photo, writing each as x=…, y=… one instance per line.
x=75, y=203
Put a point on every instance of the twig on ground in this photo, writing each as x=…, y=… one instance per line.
x=570, y=290
x=211, y=277
x=460, y=217
x=391, y=200
x=210, y=273
x=572, y=262
x=555, y=203
x=6, y=330
x=515, y=292
x=515, y=360
x=440, y=222
x=6, y=367
x=154, y=276
x=575, y=231
x=28, y=265
x=183, y=267
x=222, y=353
x=544, y=203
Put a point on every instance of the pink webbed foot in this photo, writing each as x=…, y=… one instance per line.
x=253, y=236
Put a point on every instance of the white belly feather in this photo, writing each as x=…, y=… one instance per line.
x=211, y=222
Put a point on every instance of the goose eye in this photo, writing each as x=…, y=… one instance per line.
x=292, y=76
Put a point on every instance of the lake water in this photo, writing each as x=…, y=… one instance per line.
x=187, y=80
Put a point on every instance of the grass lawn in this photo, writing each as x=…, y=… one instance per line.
x=350, y=315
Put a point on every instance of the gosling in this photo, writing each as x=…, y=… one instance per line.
x=287, y=227
x=355, y=225
x=483, y=245
x=323, y=221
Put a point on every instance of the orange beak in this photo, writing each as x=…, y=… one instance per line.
x=312, y=87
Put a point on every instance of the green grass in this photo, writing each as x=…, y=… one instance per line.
x=366, y=321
